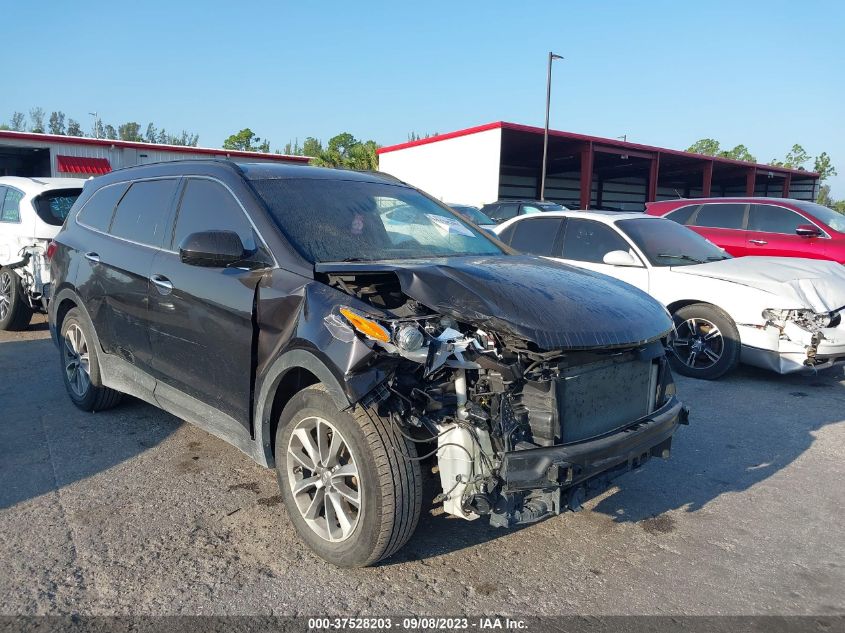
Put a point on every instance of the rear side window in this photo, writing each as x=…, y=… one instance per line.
x=720, y=216
x=11, y=211
x=53, y=206
x=536, y=236
x=682, y=215
x=768, y=218
x=98, y=210
x=208, y=206
x=143, y=212
x=504, y=212
x=590, y=241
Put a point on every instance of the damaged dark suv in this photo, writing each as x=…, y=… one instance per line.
x=347, y=328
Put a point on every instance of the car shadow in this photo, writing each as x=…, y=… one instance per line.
x=45, y=441
x=743, y=429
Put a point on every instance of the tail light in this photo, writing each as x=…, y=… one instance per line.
x=52, y=247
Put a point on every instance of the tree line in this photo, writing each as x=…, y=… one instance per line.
x=342, y=150
x=57, y=123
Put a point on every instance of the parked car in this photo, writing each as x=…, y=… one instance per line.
x=780, y=227
x=273, y=306
x=31, y=212
x=502, y=210
x=776, y=313
x=473, y=214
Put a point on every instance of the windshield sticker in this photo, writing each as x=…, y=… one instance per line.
x=449, y=225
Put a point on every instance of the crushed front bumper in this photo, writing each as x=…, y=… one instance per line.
x=793, y=350
x=571, y=465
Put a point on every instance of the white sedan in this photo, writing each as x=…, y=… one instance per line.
x=780, y=313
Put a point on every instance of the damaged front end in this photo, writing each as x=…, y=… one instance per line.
x=805, y=339
x=518, y=431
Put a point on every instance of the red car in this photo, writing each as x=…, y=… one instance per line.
x=761, y=226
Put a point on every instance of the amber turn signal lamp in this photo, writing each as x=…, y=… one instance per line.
x=365, y=326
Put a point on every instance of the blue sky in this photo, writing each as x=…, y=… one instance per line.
x=766, y=74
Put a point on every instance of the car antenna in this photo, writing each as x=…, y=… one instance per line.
x=678, y=193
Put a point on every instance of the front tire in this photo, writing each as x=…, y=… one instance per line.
x=15, y=313
x=349, y=480
x=80, y=366
x=705, y=343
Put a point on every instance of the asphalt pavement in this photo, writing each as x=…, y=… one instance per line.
x=133, y=511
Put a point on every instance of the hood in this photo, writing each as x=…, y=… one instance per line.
x=553, y=305
x=805, y=283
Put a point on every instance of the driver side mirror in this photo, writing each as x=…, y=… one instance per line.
x=621, y=258
x=807, y=230
x=212, y=249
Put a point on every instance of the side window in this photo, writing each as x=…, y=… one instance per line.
x=98, y=210
x=590, y=241
x=771, y=219
x=504, y=212
x=682, y=215
x=143, y=212
x=11, y=205
x=208, y=206
x=536, y=236
x=720, y=216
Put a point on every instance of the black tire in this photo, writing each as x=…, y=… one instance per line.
x=697, y=357
x=389, y=481
x=15, y=313
x=85, y=389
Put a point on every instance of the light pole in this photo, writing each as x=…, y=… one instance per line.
x=96, y=120
x=552, y=57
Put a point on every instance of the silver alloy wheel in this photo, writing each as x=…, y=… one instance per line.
x=6, y=288
x=323, y=478
x=698, y=343
x=77, y=363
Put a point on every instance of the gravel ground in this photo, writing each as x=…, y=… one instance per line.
x=134, y=512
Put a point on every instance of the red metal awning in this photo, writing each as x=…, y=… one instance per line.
x=82, y=165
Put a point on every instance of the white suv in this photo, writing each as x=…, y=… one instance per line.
x=32, y=211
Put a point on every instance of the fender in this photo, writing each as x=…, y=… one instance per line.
x=293, y=359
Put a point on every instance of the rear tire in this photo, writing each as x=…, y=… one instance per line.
x=705, y=343
x=80, y=366
x=359, y=500
x=15, y=313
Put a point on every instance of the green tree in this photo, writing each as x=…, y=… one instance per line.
x=795, y=158
x=57, y=122
x=246, y=141
x=823, y=166
x=311, y=147
x=110, y=133
x=36, y=120
x=17, y=122
x=706, y=146
x=73, y=128
x=740, y=152
x=150, y=136
x=99, y=130
x=129, y=131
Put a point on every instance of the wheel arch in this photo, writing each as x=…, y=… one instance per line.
x=289, y=374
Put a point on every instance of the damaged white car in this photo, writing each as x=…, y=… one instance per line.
x=32, y=211
x=778, y=313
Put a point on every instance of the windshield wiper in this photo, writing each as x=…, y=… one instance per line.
x=717, y=258
x=688, y=258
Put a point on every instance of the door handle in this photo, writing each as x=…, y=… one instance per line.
x=162, y=284
x=92, y=257
x=758, y=242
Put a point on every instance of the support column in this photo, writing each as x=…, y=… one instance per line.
x=653, y=174
x=750, y=181
x=586, y=175
x=787, y=183
x=707, y=179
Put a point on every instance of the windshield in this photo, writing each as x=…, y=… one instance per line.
x=542, y=207
x=345, y=220
x=831, y=218
x=53, y=206
x=667, y=243
x=472, y=214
